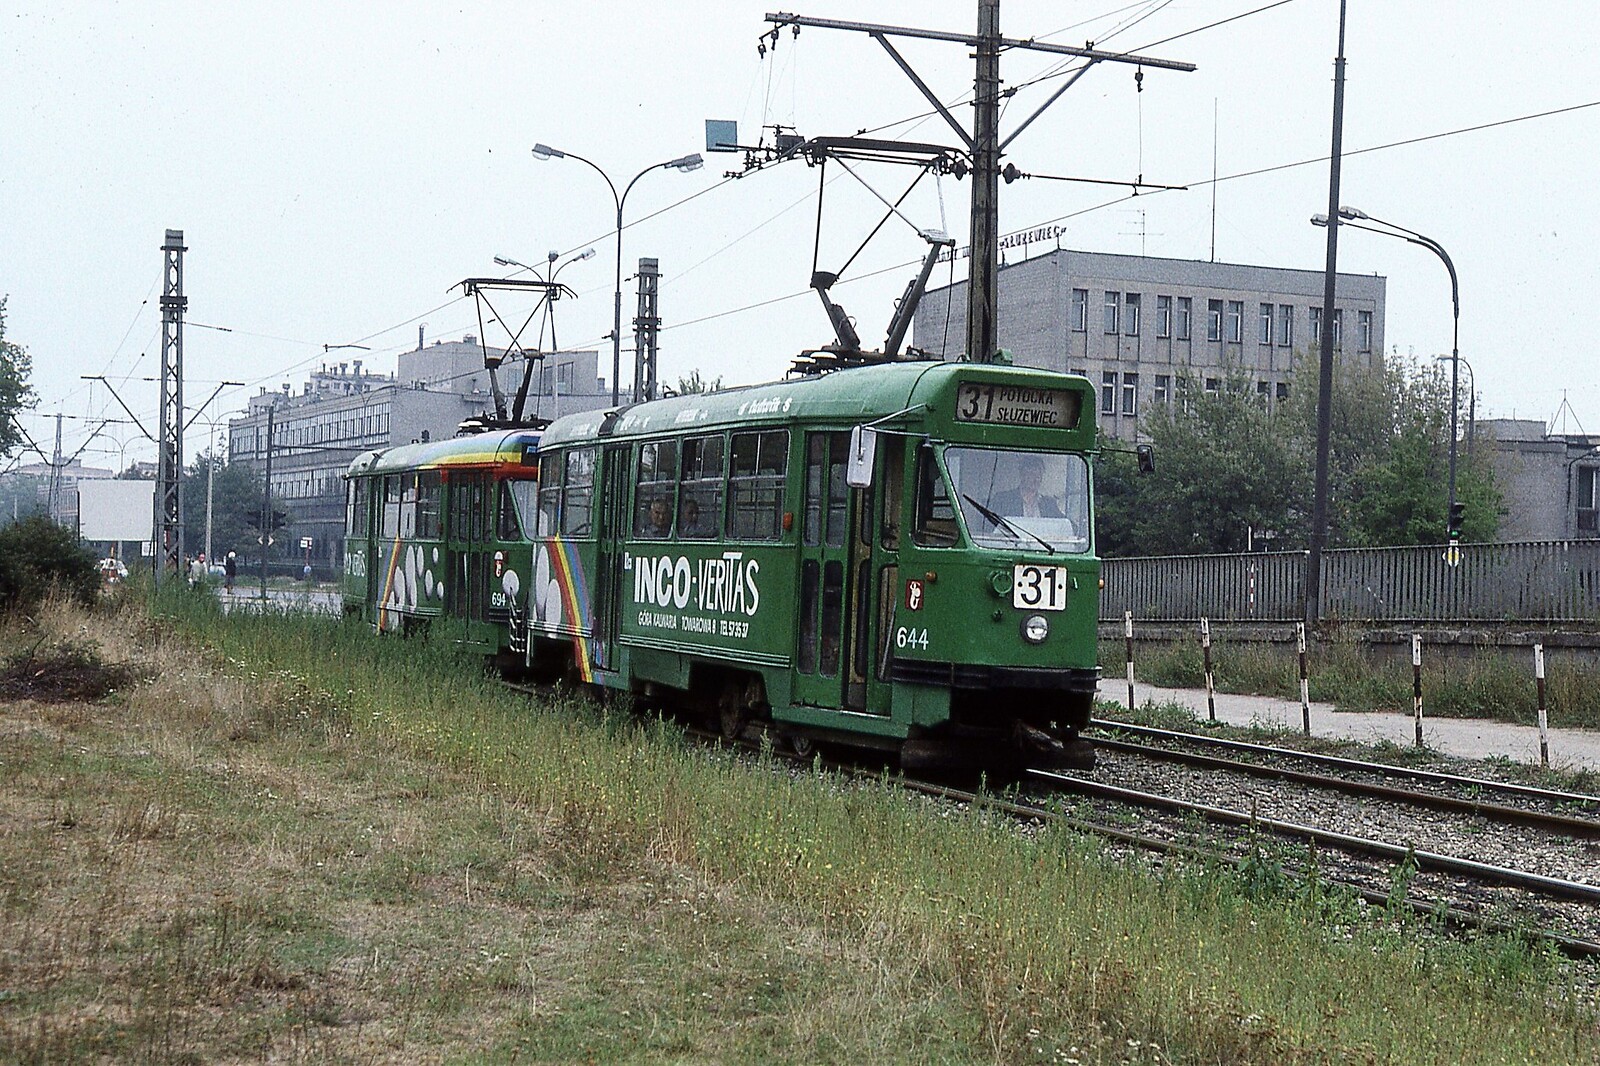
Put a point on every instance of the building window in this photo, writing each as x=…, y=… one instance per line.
x=1266, y=324
x=1264, y=390
x=1163, y=388
x=1213, y=320
x=1338, y=327
x=1130, y=314
x=1316, y=326
x=1130, y=394
x=1163, y=317
x=1364, y=330
x=1185, y=314
x=1113, y=302
x=1080, y=310
x=1283, y=390
x=1588, y=482
x=1082, y=372
x=1108, y=392
x=1213, y=386
x=1285, y=324
x=1235, y=321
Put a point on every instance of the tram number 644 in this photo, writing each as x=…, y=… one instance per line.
x=910, y=637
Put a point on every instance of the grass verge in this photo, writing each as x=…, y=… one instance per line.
x=298, y=841
x=1493, y=684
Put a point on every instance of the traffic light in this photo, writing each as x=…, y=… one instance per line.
x=1458, y=511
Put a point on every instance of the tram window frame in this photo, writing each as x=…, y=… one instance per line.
x=933, y=491
x=577, y=492
x=703, y=467
x=758, y=471
x=408, y=506
x=360, y=518
x=893, y=450
x=508, y=520
x=430, y=489
x=389, y=524
x=549, y=518
x=656, y=481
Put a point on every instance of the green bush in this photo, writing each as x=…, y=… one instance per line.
x=37, y=555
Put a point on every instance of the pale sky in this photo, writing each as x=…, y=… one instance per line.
x=337, y=168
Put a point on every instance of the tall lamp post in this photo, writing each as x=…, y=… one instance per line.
x=1472, y=401
x=682, y=163
x=1353, y=216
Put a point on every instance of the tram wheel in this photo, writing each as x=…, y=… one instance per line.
x=802, y=745
x=732, y=712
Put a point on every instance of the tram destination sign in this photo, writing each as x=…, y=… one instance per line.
x=1017, y=405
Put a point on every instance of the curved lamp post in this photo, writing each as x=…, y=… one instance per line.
x=1352, y=216
x=682, y=163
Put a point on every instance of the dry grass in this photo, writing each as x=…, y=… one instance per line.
x=213, y=868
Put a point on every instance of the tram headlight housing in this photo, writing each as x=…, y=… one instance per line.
x=1035, y=628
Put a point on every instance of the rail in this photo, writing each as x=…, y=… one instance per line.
x=1527, y=581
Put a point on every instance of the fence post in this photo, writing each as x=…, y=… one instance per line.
x=1544, y=720
x=1211, y=688
x=1305, y=688
x=1416, y=682
x=1127, y=629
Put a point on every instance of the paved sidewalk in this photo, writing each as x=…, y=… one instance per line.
x=1469, y=738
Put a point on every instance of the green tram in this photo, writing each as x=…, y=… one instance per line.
x=897, y=555
x=435, y=529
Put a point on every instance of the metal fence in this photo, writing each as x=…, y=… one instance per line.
x=1532, y=581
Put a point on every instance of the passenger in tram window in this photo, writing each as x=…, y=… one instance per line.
x=660, y=517
x=691, y=523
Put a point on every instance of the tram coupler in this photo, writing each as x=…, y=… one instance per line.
x=1046, y=751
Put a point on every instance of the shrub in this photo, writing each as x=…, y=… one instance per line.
x=37, y=555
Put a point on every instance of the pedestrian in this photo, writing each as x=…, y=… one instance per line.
x=230, y=570
x=196, y=571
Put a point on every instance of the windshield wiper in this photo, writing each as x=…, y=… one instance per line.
x=1001, y=520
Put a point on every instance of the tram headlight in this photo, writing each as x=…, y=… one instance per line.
x=1035, y=628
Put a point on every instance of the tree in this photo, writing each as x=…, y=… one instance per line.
x=235, y=505
x=15, y=392
x=36, y=555
x=1229, y=468
x=694, y=383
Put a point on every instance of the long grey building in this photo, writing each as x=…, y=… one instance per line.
x=344, y=409
x=1139, y=326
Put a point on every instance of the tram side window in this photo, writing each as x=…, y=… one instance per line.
x=655, y=498
x=577, y=500
x=408, y=505
x=936, y=517
x=359, y=522
x=391, y=506
x=700, y=494
x=429, y=492
x=755, y=485
x=516, y=505
x=550, y=467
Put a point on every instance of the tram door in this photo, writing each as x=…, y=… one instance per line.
x=467, y=543
x=834, y=637
x=612, y=527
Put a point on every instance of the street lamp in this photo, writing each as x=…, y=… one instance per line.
x=1350, y=217
x=682, y=163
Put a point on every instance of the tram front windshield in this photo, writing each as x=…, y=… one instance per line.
x=1015, y=498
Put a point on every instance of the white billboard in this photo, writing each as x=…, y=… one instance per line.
x=116, y=510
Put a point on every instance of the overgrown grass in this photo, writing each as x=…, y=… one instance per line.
x=1008, y=948
x=1493, y=683
x=406, y=806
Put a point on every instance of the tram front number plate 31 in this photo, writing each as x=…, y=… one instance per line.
x=1038, y=588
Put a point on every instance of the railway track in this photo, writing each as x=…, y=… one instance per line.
x=1537, y=808
x=1463, y=892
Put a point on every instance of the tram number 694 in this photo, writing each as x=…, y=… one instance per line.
x=1039, y=588
x=910, y=637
